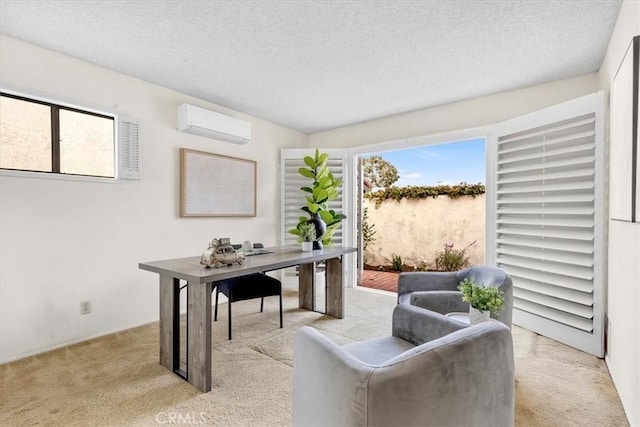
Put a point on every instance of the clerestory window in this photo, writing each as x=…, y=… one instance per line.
x=44, y=137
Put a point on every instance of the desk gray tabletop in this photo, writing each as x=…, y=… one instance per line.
x=191, y=270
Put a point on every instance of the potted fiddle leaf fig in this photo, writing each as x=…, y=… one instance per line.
x=322, y=189
x=482, y=300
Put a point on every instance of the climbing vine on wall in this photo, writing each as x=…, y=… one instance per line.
x=415, y=192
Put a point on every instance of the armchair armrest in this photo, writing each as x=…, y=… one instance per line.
x=439, y=301
x=329, y=385
x=418, y=326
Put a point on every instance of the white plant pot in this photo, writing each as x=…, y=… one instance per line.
x=307, y=246
x=477, y=316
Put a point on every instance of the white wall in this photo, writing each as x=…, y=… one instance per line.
x=467, y=114
x=63, y=241
x=623, y=355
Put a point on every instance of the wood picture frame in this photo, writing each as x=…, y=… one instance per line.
x=216, y=185
x=624, y=150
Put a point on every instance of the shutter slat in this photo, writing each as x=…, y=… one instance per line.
x=586, y=185
x=546, y=221
x=547, y=129
x=586, y=236
x=547, y=154
x=579, y=272
x=563, y=199
x=559, y=316
x=543, y=277
x=550, y=176
x=544, y=143
x=581, y=260
x=584, y=298
x=578, y=160
x=576, y=309
x=578, y=247
x=550, y=210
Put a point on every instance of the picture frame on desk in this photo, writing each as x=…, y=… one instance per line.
x=624, y=150
x=216, y=185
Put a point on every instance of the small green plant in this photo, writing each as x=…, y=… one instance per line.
x=422, y=266
x=451, y=259
x=396, y=262
x=482, y=298
x=307, y=232
x=368, y=233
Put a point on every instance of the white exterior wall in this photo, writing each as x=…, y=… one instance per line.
x=623, y=355
x=62, y=241
x=418, y=229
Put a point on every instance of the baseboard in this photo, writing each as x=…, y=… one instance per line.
x=71, y=342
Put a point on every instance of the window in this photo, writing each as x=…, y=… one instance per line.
x=39, y=136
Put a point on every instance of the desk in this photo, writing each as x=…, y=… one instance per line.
x=200, y=283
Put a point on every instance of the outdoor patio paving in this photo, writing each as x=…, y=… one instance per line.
x=380, y=280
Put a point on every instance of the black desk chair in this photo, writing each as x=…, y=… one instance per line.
x=253, y=286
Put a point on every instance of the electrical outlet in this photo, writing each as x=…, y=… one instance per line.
x=85, y=307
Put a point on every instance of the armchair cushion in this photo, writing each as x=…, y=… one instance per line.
x=377, y=350
x=419, y=326
x=411, y=326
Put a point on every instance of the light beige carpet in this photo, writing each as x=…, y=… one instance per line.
x=116, y=380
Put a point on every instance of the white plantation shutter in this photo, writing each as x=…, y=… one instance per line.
x=547, y=214
x=292, y=198
x=128, y=148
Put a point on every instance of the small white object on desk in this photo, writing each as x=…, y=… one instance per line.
x=258, y=252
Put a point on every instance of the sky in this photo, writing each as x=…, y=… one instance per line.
x=450, y=163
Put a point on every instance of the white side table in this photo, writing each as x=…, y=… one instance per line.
x=462, y=316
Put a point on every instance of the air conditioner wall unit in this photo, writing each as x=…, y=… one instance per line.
x=198, y=121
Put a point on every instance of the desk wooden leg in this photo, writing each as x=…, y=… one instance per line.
x=306, y=282
x=199, y=335
x=169, y=322
x=335, y=288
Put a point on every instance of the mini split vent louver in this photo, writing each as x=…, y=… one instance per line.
x=198, y=121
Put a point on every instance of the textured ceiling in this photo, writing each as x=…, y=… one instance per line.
x=318, y=65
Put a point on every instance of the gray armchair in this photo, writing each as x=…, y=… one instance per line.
x=438, y=292
x=432, y=371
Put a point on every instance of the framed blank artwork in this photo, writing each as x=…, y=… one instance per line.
x=216, y=185
x=624, y=187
